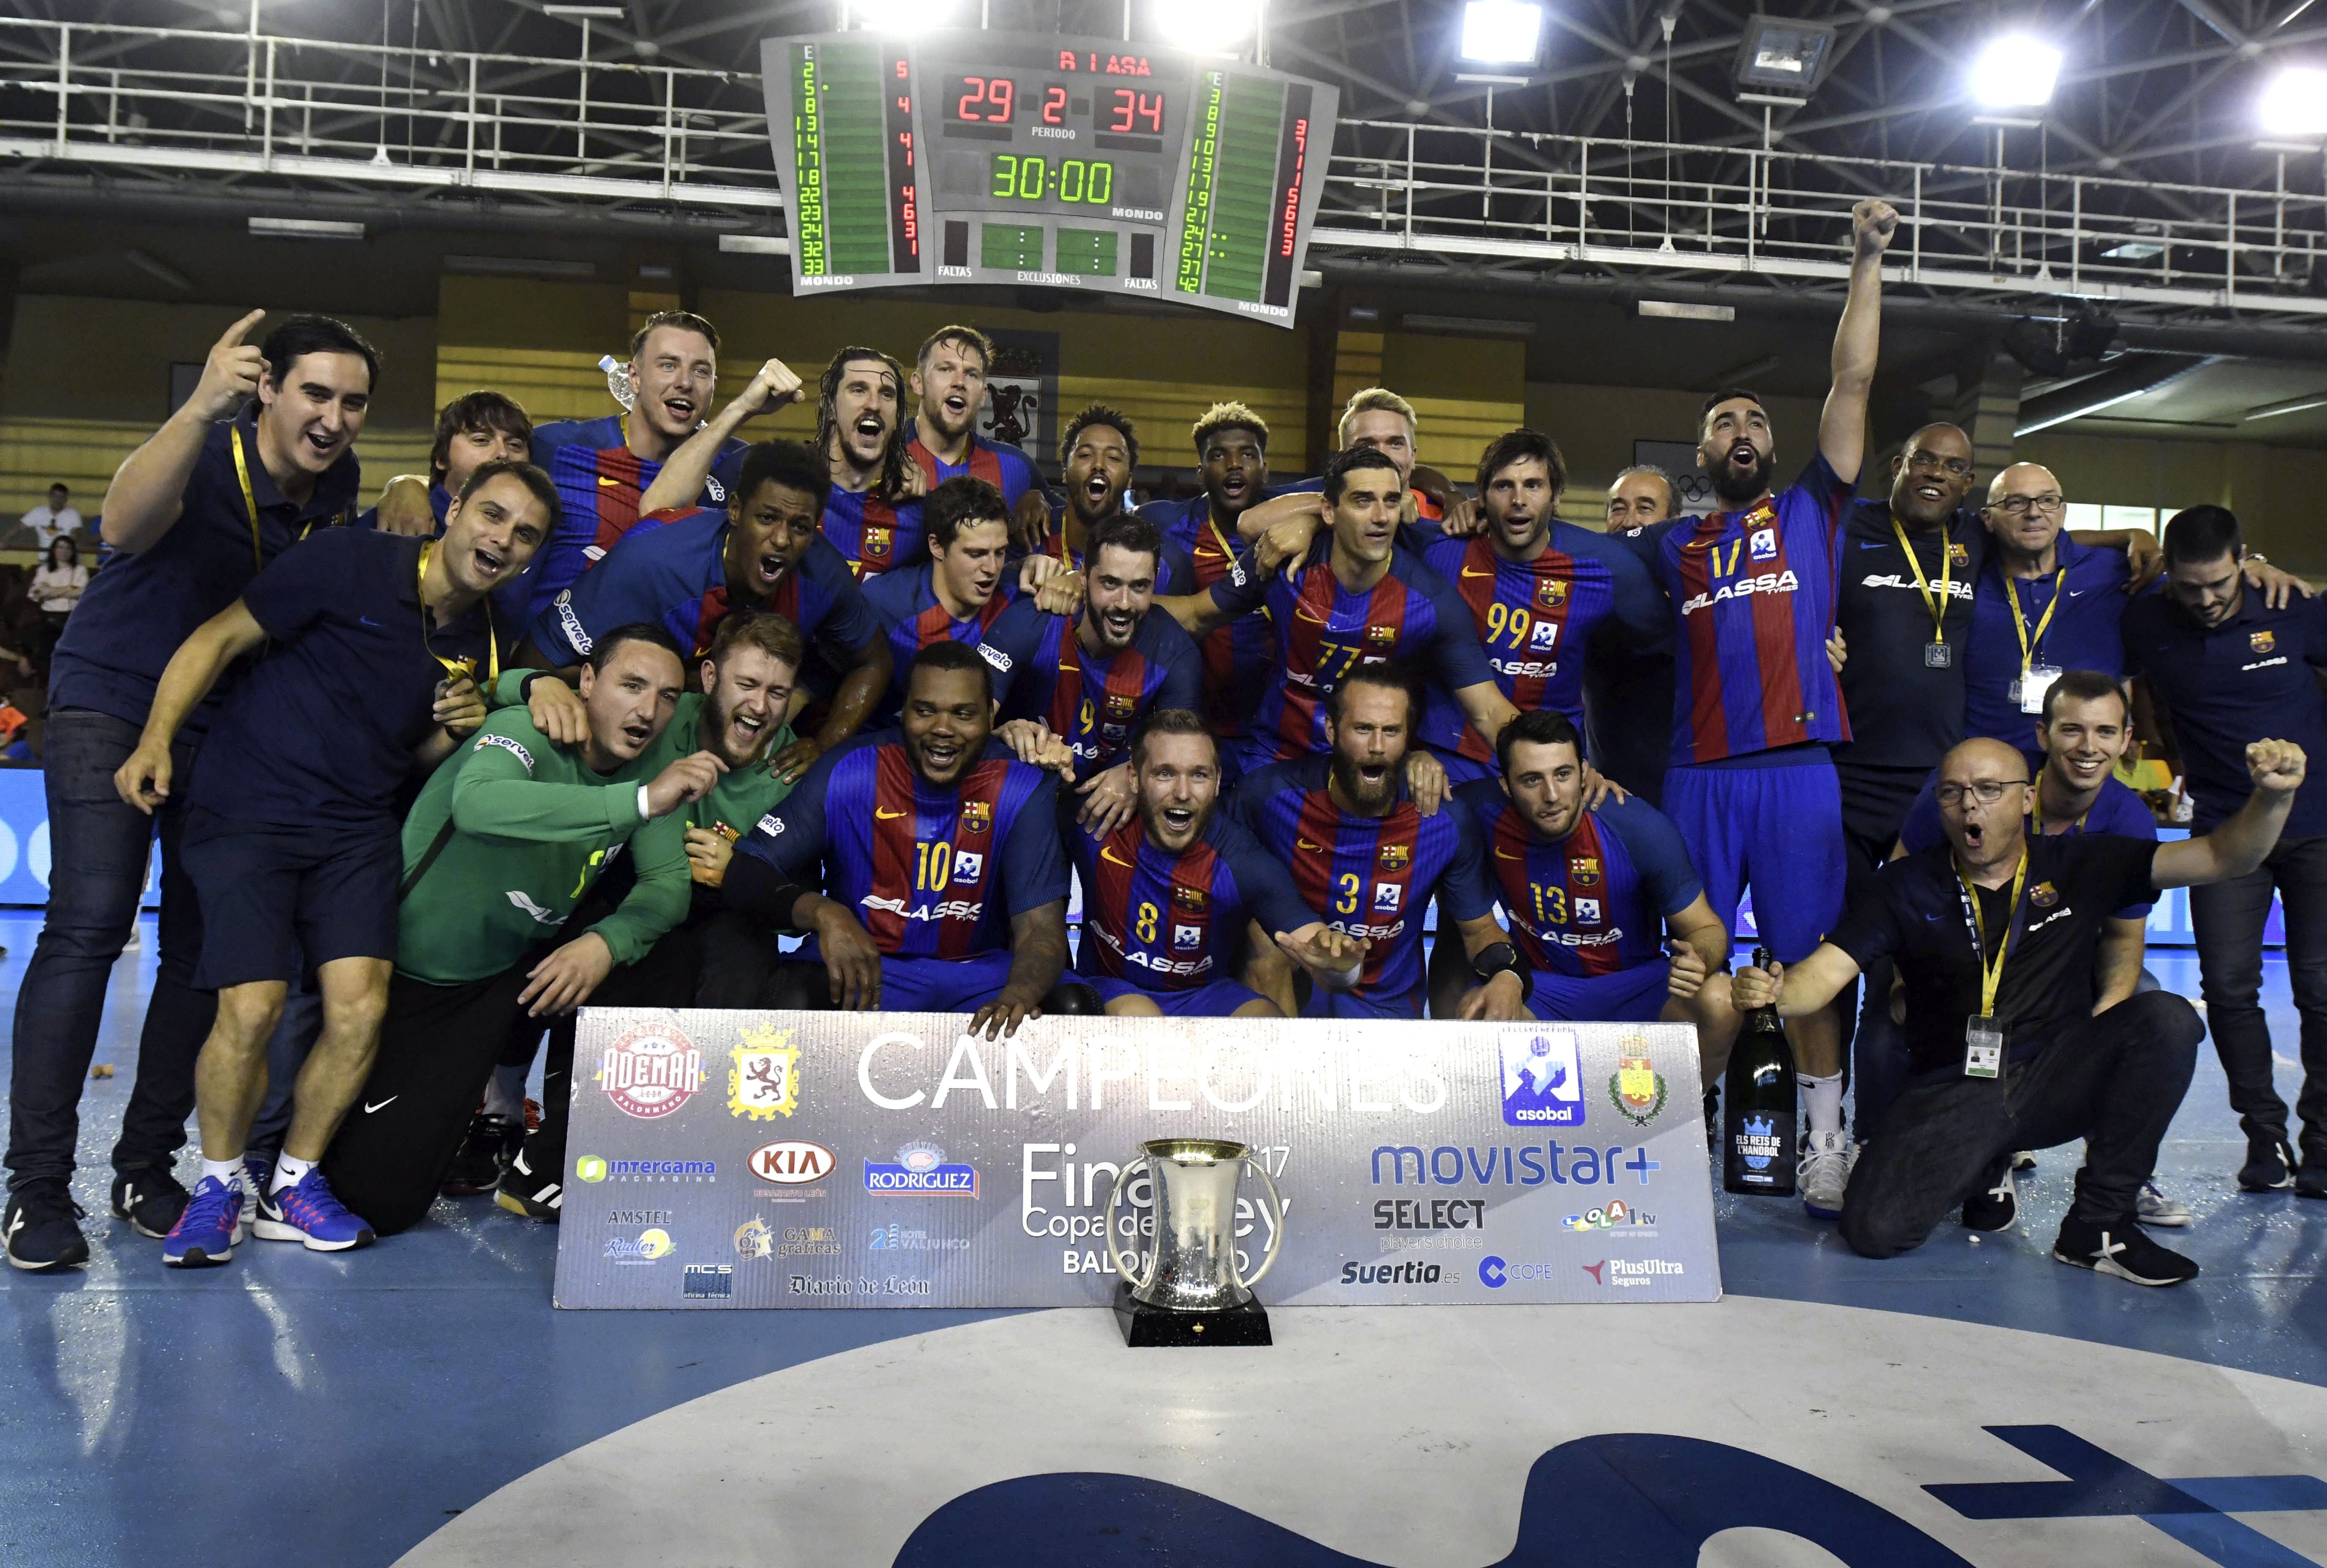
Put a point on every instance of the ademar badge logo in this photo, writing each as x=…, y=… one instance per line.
x=1543, y=1083
x=650, y=1071
x=764, y=1082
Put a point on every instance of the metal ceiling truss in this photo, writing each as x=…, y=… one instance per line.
x=1627, y=151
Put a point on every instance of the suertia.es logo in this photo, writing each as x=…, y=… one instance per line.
x=1387, y=1274
x=1543, y=1079
x=920, y=1171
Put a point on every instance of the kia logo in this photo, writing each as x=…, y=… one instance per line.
x=791, y=1161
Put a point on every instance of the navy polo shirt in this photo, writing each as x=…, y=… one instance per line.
x=2085, y=632
x=2247, y=679
x=139, y=608
x=321, y=732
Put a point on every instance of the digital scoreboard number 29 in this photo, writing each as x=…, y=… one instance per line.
x=983, y=157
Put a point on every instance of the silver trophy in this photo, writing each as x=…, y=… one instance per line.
x=1192, y=1294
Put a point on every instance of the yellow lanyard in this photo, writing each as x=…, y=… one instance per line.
x=2036, y=810
x=459, y=668
x=1991, y=971
x=249, y=499
x=1213, y=523
x=2029, y=645
x=1937, y=605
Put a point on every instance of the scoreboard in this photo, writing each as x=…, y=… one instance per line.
x=976, y=157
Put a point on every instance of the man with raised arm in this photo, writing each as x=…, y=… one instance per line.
x=1995, y=936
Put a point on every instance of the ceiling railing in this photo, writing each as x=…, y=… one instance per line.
x=259, y=111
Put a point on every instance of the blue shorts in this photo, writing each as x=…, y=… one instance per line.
x=1325, y=1003
x=1217, y=1000
x=934, y=984
x=1634, y=995
x=1776, y=828
x=279, y=902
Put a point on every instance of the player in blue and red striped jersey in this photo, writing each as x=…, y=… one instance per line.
x=1752, y=786
x=1541, y=594
x=606, y=470
x=1096, y=456
x=930, y=855
x=688, y=571
x=963, y=590
x=1232, y=460
x=1356, y=598
x=1380, y=420
x=1086, y=678
x=949, y=385
x=1591, y=892
x=873, y=518
x=1176, y=898
x=1367, y=861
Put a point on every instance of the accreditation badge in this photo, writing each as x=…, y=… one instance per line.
x=1983, y=1046
x=2032, y=685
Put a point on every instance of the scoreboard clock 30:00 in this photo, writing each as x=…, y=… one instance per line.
x=983, y=157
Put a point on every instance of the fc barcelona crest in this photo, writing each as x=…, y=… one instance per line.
x=1191, y=899
x=877, y=541
x=1583, y=871
x=1958, y=557
x=1121, y=705
x=2262, y=641
x=764, y=1082
x=1638, y=1088
x=2043, y=895
x=976, y=816
x=1395, y=857
x=1380, y=636
x=1551, y=593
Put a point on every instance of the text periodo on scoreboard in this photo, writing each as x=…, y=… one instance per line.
x=983, y=157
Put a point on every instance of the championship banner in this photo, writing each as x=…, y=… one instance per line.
x=884, y=1160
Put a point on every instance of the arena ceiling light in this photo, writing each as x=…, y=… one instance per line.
x=2294, y=104
x=908, y=17
x=2016, y=72
x=304, y=229
x=1208, y=26
x=1502, y=31
x=1780, y=55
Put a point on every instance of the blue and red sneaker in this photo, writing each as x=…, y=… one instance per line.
x=308, y=1213
x=206, y=1232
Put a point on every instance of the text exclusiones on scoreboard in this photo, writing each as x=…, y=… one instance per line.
x=983, y=158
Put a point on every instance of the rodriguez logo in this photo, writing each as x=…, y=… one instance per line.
x=1542, y=1081
x=791, y=1163
x=919, y=1171
x=650, y=1071
x=764, y=1082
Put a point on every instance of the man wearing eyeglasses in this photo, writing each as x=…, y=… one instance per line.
x=1995, y=935
x=2049, y=600
x=2224, y=667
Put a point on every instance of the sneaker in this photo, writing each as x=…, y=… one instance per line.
x=1826, y=1173
x=2270, y=1164
x=150, y=1200
x=477, y=1167
x=309, y=1214
x=2025, y=1160
x=2311, y=1180
x=42, y=1224
x=2126, y=1253
x=258, y=1169
x=2154, y=1207
x=524, y=1190
x=206, y=1233
x=1995, y=1208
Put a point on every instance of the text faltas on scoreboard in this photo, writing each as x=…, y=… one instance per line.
x=1065, y=162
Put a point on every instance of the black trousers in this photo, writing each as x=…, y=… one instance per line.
x=2229, y=920
x=437, y=1049
x=1874, y=804
x=2115, y=1082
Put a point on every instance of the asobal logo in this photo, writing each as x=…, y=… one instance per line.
x=1542, y=1079
x=589, y=1168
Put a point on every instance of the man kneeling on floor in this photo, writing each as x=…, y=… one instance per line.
x=1995, y=935
x=939, y=850
x=502, y=846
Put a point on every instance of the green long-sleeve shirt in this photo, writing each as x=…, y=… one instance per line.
x=532, y=828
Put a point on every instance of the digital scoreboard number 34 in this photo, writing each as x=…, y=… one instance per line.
x=983, y=157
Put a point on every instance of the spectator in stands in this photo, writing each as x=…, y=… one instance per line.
x=54, y=520
x=58, y=585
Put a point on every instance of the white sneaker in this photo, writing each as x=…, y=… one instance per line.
x=2154, y=1207
x=1826, y=1173
x=2025, y=1160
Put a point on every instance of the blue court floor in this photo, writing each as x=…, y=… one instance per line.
x=296, y=1408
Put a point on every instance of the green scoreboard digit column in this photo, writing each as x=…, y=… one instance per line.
x=856, y=213
x=1245, y=162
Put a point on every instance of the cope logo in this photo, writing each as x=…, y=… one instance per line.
x=1543, y=1084
x=791, y=1163
x=650, y=1071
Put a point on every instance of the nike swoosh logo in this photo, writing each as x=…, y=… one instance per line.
x=1930, y=917
x=1870, y=544
x=1303, y=612
x=1108, y=855
x=886, y=815
x=1468, y=572
x=365, y=621
x=1308, y=848
x=1507, y=855
x=370, y=1108
x=602, y=479
x=2079, y=592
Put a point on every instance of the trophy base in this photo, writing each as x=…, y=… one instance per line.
x=1143, y=1325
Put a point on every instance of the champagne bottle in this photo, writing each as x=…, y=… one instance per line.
x=1757, y=1105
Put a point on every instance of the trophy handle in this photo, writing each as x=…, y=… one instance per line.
x=1114, y=1252
x=1275, y=1230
